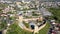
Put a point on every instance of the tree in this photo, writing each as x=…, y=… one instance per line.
x=3, y=24
x=56, y=13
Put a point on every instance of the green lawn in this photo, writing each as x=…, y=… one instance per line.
x=45, y=29
x=26, y=24
x=15, y=29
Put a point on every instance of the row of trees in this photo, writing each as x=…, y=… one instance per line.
x=3, y=24
x=56, y=13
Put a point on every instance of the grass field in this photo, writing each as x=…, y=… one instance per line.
x=45, y=29
x=15, y=29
